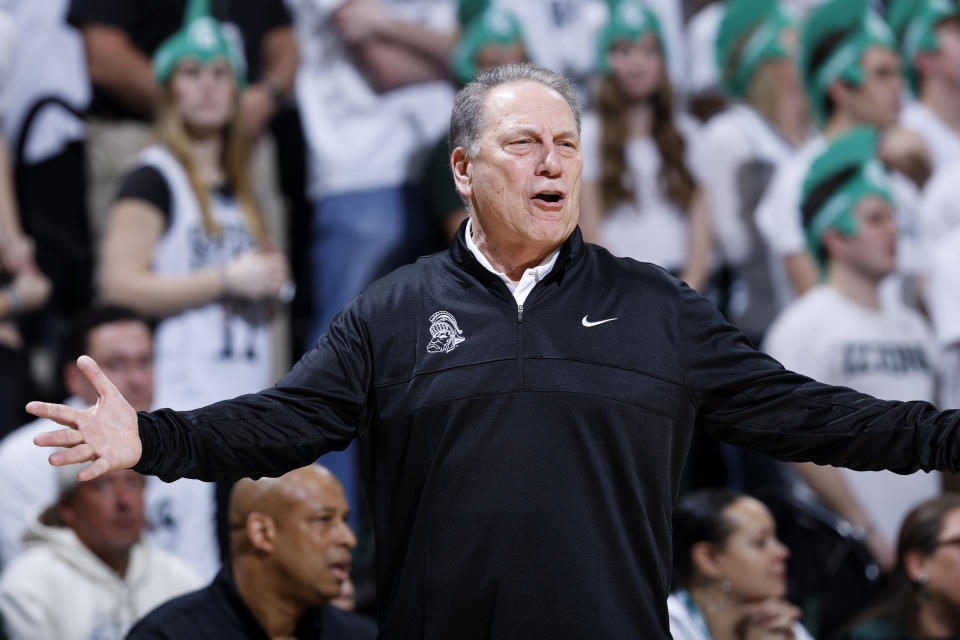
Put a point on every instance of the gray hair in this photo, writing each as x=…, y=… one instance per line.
x=467, y=119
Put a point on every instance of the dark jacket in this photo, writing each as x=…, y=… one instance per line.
x=522, y=471
x=219, y=612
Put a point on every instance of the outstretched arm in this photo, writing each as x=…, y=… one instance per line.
x=314, y=409
x=106, y=433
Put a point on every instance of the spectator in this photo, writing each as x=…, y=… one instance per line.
x=186, y=242
x=48, y=90
x=864, y=90
x=941, y=300
x=180, y=515
x=290, y=557
x=839, y=331
x=491, y=37
x=742, y=147
x=640, y=198
x=371, y=70
x=85, y=572
x=923, y=596
x=120, y=37
x=730, y=571
x=22, y=286
x=929, y=35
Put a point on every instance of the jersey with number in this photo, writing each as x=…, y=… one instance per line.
x=220, y=349
x=887, y=353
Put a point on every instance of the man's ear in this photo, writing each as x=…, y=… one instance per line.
x=460, y=164
x=833, y=243
x=261, y=531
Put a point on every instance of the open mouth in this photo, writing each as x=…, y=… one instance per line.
x=549, y=196
x=340, y=569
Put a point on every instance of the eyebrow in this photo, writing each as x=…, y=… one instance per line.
x=530, y=131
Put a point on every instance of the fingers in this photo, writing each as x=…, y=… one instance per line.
x=59, y=413
x=60, y=438
x=95, y=470
x=80, y=453
x=97, y=379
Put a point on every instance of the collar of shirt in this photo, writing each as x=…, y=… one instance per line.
x=528, y=280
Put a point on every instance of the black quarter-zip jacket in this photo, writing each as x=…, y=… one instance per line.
x=523, y=462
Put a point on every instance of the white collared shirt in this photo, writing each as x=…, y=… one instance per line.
x=528, y=280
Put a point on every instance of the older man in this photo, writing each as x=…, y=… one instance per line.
x=526, y=402
x=290, y=555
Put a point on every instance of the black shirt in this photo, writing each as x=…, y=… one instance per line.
x=150, y=22
x=521, y=462
x=218, y=612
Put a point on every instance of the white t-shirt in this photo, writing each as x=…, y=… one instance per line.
x=652, y=228
x=701, y=37
x=943, y=301
x=939, y=213
x=888, y=354
x=358, y=139
x=943, y=141
x=728, y=140
x=47, y=59
x=688, y=625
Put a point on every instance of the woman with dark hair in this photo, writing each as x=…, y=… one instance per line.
x=729, y=572
x=924, y=594
x=639, y=198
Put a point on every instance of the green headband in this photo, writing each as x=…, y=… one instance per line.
x=493, y=27
x=201, y=38
x=631, y=21
x=853, y=155
x=863, y=28
x=916, y=23
x=749, y=35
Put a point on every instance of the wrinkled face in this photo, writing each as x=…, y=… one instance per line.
x=872, y=250
x=204, y=94
x=752, y=558
x=107, y=513
x=494, y=55
x=942, y=567
x=313, y=541
x=124, y=350
x=877, y=100
x=523, y=183
x=638, y=66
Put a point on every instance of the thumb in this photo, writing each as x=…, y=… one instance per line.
x=95, y=376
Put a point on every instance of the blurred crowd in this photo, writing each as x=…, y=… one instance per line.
x=190, y=190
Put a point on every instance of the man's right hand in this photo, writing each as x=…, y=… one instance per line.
x=107, y=433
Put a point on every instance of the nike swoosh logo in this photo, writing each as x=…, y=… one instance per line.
x=587, y=323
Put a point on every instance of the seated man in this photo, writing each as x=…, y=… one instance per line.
x=290, y=547
x=85, y=573
x=180, y=514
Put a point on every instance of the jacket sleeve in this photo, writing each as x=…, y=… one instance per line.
x=747, y=399
x=314, y=409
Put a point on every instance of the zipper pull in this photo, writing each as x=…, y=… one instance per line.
x=519, y=313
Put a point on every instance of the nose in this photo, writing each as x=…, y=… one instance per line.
x=549, y=164
x=345, y=535
x=781, y=551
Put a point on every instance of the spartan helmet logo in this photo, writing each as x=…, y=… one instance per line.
x=445, y=335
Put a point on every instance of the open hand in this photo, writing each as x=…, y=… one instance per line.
x=107, y=433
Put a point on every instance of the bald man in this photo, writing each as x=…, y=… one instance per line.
x=290, y=545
